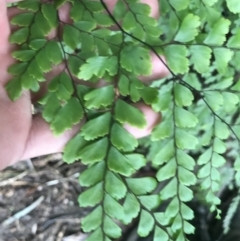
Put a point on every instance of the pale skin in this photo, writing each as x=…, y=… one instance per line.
x=23, y=135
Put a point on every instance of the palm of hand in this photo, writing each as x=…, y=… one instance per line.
x=16, y=119
x=23, y=135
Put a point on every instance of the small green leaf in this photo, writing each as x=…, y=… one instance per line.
x=180, y=4
x=98, y=66
x=177, y=224
x=141, y=186
x=184, y=118
x=72, y=147
x=164, y=154
x=234, y=41
x=177, y=60
x=129, y=21
x=186, y=177
x=31, y=5
x=205, y=157
x=41, y=26
x=51, y=108
x=110, y=228
x=162, y=130
x=149, y=95
x=54, y=52
x=162, y=219
x=14, y=88
x=200, y=57
x=23, y=55
x=233, y=6
x=210, y=2
x=188, y=228
x=173, y=208
x=20, y=36
x=126, y=113
x=185, y=194
x=59, y=3
x=140, y=8
x=237, y=130
x=216, y=36
x=77, y=10
x=214, y=99
x=183, y=96
x=96, y=235
x=96, y=127
x=136, y=60
x=219, y=146
x=185, y=140
x=23, y=19
x=101, y=97
x=93, y=175
x=131, y=208
x=123, y=85
x=215, y=175
x=221, y=130
x=94, y=6
x=204, y=171
x=119, y=10
x=17, y=69
x=91, y=196
x=230, y=101
x=222, y=56
x=87, y=26
x=187, y=212
x=37, y=44
x=134, y=93
x=43, y=61
x=71, y=36
x=188, y=28
x=69, y=115
x=160, y=234
x=118, y=163
x=137, y=161
x=50, y=13
x=170, y=190
x=150, y=202
x=218, y=160
x=94, y=152
x=112, y=207
x=185, y=160
x=122, y=139
x=103, y=19
x=146, y=20
x=111, y=182
x=146, y=224
x=93, y=220
x=167, y=171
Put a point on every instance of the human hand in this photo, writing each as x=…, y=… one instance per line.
x=24, y=135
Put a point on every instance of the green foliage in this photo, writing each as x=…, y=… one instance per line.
x=97, y=85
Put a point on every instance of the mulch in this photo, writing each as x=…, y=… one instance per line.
x=48, y=188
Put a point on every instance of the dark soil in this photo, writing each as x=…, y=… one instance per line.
x=51, y=184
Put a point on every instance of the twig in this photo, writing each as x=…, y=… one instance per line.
x=23, y=212
x=13, y=179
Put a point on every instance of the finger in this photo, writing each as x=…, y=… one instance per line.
x=41, y=140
